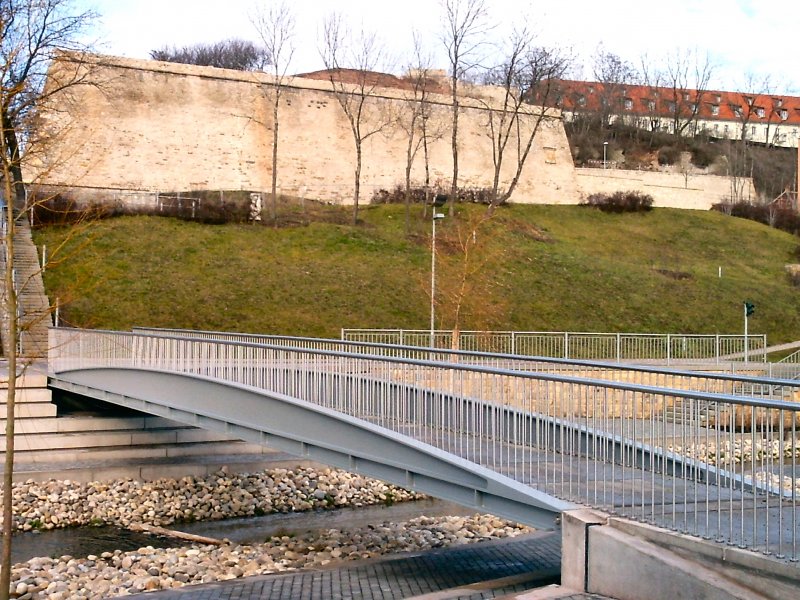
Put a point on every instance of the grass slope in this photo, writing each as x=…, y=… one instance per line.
x=535, y=268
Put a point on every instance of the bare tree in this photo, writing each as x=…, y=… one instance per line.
x=528, y=77
x=31, y=31
x=241, y=55
x=466, y=24
x=687, y=75
x=417, y=122
x=614, y=73
x=752, y=105
x=275, y=26
x=351, y=62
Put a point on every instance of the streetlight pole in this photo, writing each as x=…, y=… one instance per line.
x=605, y=147
x=436, y=217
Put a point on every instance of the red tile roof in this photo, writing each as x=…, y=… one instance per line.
x=580, y=96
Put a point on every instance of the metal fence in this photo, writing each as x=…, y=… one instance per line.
x=727, y=471
x=666, y=347
x=762, y=385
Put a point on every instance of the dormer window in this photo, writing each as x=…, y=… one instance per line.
x=582, y=100
x=760, y=112
x=715, y=109
x=628, y=104
x=784, y=114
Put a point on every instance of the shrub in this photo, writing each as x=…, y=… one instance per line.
x=704, y=155
x=669, y=155
x=620, y=202
x=781, y=218
x=398, y=195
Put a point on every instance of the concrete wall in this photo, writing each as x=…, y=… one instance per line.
x=667, y=189
x=149, y=125
x=629, y=560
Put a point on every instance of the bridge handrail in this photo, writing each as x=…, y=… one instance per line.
x=609, y=366
x=601, y=345
x=609, y=444
x=454, y=366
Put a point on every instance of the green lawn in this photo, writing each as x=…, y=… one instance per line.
x=531, y=268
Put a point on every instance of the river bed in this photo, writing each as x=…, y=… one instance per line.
x=84, y=541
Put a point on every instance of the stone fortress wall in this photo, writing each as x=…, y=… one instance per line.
x=152, y=126
x=148, y=126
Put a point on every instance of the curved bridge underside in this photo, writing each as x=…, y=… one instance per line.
x=317, y=433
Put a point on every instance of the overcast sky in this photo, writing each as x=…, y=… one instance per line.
x=742, y=36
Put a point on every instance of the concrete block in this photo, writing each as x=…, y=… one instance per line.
x=33, y=410
x=575, y=526
x=629, y=568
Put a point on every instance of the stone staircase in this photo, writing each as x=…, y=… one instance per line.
x=34, y=306
x=90, y=447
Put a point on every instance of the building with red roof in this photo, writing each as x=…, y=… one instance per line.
x=769, y=119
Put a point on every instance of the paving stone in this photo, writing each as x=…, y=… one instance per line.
x=398, y=577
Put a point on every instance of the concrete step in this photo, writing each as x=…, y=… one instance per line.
x=72, y=424
x=68, y=456
x=27, y=395
x=109, y=439
x=156, y=468
x=32, y=410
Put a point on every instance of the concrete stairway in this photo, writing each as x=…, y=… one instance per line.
x=86, y=447
x=34, y=307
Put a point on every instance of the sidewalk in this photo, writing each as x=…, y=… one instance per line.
x=473, y=572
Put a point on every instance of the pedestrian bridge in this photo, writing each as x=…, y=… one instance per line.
x=709, y=454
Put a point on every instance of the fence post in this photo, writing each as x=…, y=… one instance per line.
x=716, y=345
x=566, y=344
x=513, y=342
x=619, y=347
x=669, y=348
x=402, y=337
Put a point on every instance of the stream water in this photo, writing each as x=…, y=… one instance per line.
x=83, y=541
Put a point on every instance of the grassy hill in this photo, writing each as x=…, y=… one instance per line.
x=528, y=268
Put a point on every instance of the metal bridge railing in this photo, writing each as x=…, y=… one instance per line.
x=667, y=347
x=727, y=472
x=746, y=385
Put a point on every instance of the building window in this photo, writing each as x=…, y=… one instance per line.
x=628, y=104
x=784, y=114
x=725, y=130
x=719, y=98
x=582, y=100
x=760, y=112
x=550, y=155
x=778, y=102
x=748, y=100
x=671, y=106
x=716, y=127
x=651, y=105
x=753, y=130
x=715, y=109
x=686, y=96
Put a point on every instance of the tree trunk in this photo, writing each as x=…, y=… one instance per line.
x=275, y=107
x=357, y=186
x=9, y=339
x=454, y=143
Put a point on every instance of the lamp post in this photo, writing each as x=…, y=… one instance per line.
x=436, y=217
x=605, y=148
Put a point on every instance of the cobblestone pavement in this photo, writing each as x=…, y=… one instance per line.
x=473, y=572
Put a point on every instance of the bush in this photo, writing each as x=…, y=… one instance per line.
x=620, y=202
x=669, y=155
x=780, y=218
x=203, y=206
x=704, y=155
x=398, y=195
